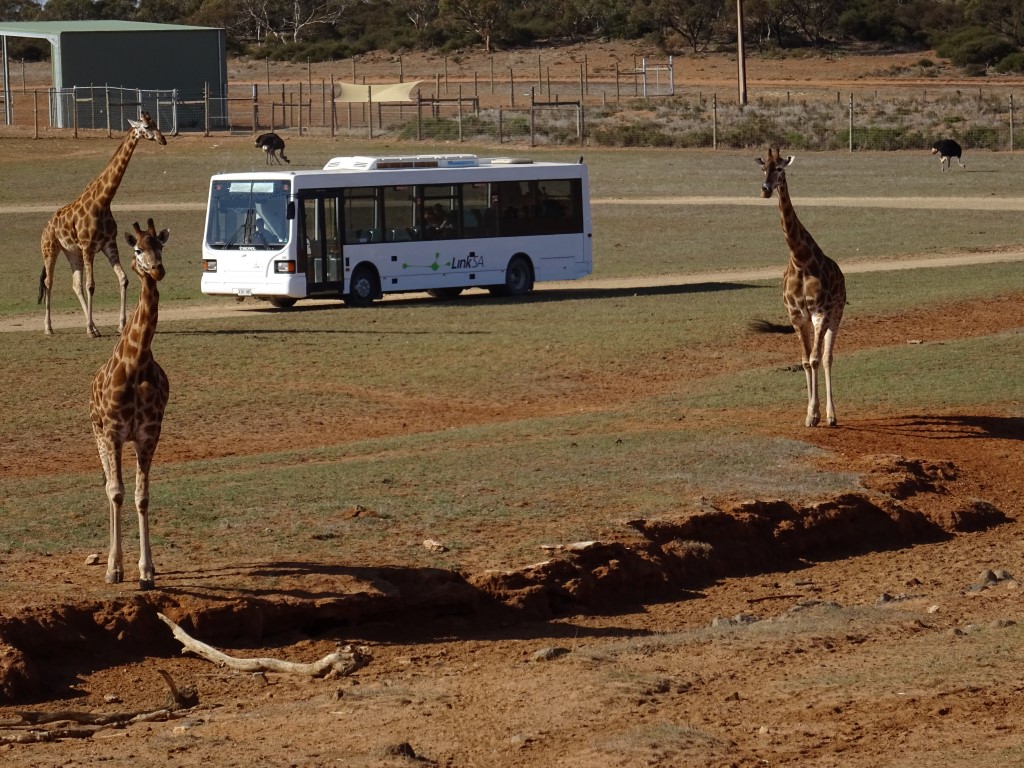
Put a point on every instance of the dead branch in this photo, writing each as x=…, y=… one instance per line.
x=48, y=735
x=344, y=661
x=177, y=700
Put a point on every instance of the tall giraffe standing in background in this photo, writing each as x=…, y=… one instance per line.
x=85, y=226
x=129, y=394
x=813, y=290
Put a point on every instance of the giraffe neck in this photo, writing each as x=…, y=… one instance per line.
x=134, y=346
x=801, y=245
x=103, y=188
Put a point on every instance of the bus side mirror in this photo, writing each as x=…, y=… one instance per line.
x=291, y=209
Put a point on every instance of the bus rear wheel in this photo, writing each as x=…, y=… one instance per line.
x=363, y=288
x=282, y=302
x=518, y=278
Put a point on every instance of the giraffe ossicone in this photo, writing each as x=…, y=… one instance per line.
x=85, y=227
x=129, y=395
x=813, y=291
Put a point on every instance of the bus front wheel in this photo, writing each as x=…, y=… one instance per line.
x=363, y=288
x=518, y=278
x=282, y=302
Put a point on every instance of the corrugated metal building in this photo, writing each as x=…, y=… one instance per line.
x=91, y=55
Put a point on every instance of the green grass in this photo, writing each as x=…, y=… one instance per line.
x=494, y=426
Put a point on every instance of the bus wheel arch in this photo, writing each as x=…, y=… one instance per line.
x=363, y=286
x=519, y=277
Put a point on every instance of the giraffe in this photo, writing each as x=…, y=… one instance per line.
x=85, y=227
x=813, y=291
x=128, y=397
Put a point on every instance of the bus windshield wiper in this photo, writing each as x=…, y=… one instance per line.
x=244, y=229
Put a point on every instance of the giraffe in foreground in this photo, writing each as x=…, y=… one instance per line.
x=813, y=290
x=85, y=227
x=129, y=394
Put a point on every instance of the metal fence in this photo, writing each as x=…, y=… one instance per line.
x=621, y=111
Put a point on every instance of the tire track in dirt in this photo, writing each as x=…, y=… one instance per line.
x=230, y=308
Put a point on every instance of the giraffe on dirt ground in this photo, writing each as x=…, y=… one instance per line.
x=129, y=394
x=813, y=290
x=85, y=227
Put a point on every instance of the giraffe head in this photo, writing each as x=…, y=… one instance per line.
x=146, y=129
x=774, y=169
x=149, y=249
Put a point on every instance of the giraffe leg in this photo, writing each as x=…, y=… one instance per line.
x=826, y=361
x=50, y=250
x=806, y=333
x=115, y=263
x=84, y=287
x=815, y=363
x=110, y=456
x=147, y=573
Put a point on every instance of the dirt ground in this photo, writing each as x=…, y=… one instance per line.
x=877, y=628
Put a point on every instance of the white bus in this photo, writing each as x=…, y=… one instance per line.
x=366, y=226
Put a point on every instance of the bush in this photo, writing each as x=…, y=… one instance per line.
x=1012, y=64
x=975, y=47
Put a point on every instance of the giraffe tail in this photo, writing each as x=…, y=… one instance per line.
x=42, y=286
x=761, y=325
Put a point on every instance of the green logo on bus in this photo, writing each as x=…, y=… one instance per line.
x=434, y=266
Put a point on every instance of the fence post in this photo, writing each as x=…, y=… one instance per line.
x=206, y=107
x=851, y=123
x=369, y=111
x=714, y=121
x=106, y=96
x=511, y=88
x=533, y=117
x=35, y=113
x=419, y=115
x=300, y=108
x=1011, y=122
x=255, y=108
x=501, y=126
x=460, y=113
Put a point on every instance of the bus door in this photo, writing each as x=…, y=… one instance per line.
x=320, y=236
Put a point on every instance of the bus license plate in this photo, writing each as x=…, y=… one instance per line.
x=244, y=292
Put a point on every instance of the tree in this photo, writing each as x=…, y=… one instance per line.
x=484, y=18
x=290, y=20
x=70, y=10
x=816, y=19
x=769, y=19
x=422, y=13
x=1004, y=17
x=696, y=21
x=19, y=10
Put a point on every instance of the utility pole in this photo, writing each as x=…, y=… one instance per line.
x=741, y=55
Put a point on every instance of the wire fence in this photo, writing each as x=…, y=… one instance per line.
x=635, y=107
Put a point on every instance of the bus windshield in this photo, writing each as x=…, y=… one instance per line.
x=248, y=215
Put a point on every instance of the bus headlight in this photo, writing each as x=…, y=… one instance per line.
x=284, y=267
x=209, y=265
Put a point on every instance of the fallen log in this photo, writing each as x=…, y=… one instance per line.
x=344, y=661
